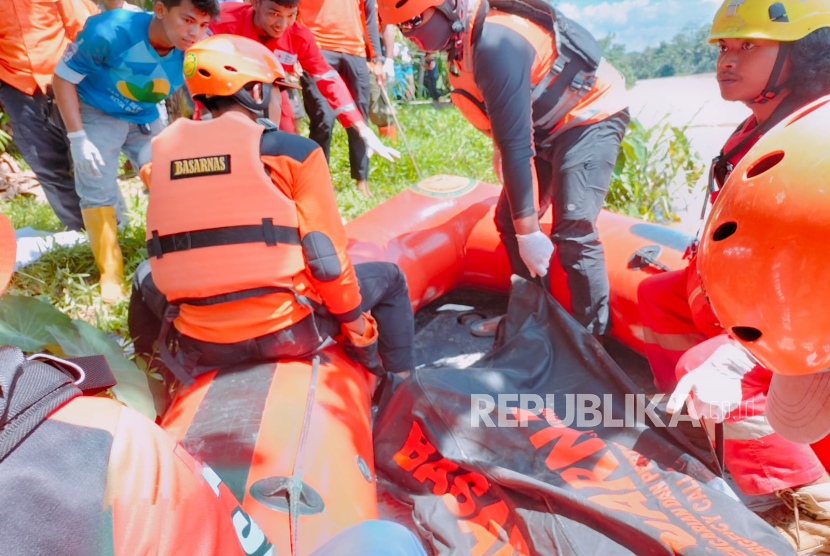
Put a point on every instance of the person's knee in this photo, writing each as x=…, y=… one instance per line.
x=396, y=279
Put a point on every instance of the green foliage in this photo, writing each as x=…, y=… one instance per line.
x=34, y=325
x=5, y=138
x=688, y=53
x=443, y=143
x=68, y=276
x=652, y=161
x=621, y=60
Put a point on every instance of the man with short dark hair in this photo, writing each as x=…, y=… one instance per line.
x=108, y=85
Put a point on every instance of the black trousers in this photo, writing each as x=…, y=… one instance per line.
x=382, y=287
x=355, y=73
x=574, y=175
x=45, y=148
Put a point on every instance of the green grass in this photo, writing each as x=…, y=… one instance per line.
x=442, y=142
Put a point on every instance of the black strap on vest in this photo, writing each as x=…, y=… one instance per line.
x=266, y=233
x=573, y=72
x=722, y=163
x=32, y=388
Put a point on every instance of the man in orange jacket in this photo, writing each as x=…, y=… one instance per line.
x=33, y=37
x=256, y=268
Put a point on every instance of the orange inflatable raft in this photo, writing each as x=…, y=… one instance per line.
x=293, y=439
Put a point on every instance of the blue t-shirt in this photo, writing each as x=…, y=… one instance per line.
x=116, y=69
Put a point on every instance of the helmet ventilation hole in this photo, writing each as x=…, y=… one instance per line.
x=807, y=111
x=204, y=72
x=765, y=164
x=401, y=3
x=724, y=231
x=231, y=69
x=746, y=333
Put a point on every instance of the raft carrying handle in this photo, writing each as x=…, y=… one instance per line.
x=645, y=256
x=275, y=492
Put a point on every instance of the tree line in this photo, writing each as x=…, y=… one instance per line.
x=688, y=53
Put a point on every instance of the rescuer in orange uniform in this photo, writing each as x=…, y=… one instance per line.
x=244, y=237
x=772, y=58
x=556, y=110
x=86, y=475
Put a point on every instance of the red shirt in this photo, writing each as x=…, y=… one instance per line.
x=296, y=45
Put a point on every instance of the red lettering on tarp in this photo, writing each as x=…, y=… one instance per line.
x=415, y=450
x=565, y=451
x=436, y=472
x=723, y=528
x=664, y=494
x=705, y=533
x=631, y=503
x=488, y=527
x=459, y=500
x=596, y=478
x=642, y=466
x=672, y=535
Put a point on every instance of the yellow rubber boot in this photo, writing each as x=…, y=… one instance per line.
x=102, y=227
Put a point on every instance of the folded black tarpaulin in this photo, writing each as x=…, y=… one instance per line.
x=554, y=486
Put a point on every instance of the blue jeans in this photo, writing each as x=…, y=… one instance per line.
x=111, y=136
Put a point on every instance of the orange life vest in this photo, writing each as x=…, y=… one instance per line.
x=218, y=229
x=568, y=91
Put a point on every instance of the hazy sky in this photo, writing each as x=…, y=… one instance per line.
x=638, y=23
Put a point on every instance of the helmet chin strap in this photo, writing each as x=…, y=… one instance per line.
x=260, y=108
x=773, y=88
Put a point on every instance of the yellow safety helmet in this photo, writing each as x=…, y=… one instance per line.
x=774, y=20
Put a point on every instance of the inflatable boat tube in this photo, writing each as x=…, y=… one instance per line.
x=262, y=428
x=265, y=428
x=442, y=234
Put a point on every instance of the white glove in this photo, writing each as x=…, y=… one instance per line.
x=536, y=250
x=389, y=69
x=85, y=155
x=713, y=389
x=374, y=145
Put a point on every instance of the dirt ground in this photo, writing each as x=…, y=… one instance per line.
x=695, y=101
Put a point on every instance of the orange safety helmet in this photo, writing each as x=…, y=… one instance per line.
x=222, y=65
x=764, y=253
x=395, y=12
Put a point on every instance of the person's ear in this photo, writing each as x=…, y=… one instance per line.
x=159, y=9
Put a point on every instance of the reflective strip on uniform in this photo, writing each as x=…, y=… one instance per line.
x=331, y=74
x=346, y=108
x=672, y=342
x=751, y=428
